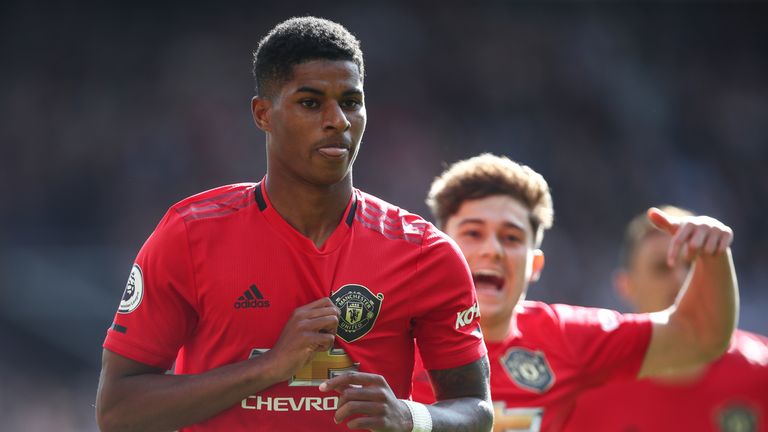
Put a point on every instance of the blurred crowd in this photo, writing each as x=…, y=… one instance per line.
x=111, y=113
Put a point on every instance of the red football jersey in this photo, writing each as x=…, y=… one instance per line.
x=223, y=271
x=731, y=395
x=557, y=352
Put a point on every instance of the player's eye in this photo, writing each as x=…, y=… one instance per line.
x=309, y=103
x=472, y=233
x=351, y=104
x=511, y=238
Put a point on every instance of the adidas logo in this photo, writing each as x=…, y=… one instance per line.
x=251, y=298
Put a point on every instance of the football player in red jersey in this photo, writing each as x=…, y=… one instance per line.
x=728, y=395
x=543, y=356
x=292, y=304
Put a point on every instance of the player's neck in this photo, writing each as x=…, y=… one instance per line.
x=314, y=211
x=682, y=376
x=498, y=329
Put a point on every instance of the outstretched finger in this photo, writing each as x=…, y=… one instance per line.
x=662, y=220
x=679, y=239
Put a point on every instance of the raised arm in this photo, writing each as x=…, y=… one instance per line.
x=136, y=397
x=698, y=327
x=463, y=401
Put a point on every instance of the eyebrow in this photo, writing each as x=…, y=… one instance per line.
x=306, y=89
x=507, y=224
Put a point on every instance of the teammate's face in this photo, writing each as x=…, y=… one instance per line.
x=315, y=122
x=496, y=237
x=649, y=283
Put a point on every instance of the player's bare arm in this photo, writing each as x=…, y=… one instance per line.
x=463, y=401
x=462, y=398
x=136, y=397
x=697, y=328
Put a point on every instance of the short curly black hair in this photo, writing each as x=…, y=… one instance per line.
x=298, y=40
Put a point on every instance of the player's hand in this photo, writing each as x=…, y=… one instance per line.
x=699, y=234
x=367, y=402
x=311, y=328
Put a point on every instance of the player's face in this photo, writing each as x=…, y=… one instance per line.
x=652, y=284
x=315, y=122
x=496, y=237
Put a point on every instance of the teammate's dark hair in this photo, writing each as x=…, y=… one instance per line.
x=298, y=40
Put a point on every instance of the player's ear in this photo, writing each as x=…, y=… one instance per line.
x=623, y=286
x=261, y=111
x=538, y=264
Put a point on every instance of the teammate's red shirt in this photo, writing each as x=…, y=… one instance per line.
x=222, y=273
x=730, y=395
x=557, y=352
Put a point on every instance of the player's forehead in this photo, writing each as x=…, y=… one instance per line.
x=653, y=246
x=493, y=212
x=337, y=76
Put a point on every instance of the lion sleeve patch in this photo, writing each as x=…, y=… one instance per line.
x=134, y=291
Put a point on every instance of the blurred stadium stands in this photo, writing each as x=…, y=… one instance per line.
x=112, y=112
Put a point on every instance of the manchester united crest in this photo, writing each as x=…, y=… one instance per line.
x=529, y=370
x=737, y=418
x=359, y=310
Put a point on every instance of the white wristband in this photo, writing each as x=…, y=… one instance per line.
x=422, y=419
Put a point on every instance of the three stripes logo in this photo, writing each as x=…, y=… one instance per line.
x=251, y=298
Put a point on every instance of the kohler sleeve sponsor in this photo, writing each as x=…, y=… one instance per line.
x=467, y=316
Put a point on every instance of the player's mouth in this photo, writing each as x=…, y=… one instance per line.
x=334, y=152
x=488, y=280
x=336, y=147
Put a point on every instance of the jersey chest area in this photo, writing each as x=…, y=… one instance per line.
x=249, y=282
x=531, y=387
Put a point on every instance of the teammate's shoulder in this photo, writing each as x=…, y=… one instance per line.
x=533, y=308
x=535, y=311
x=391, y=221
x=215, y=202
x=566, y=314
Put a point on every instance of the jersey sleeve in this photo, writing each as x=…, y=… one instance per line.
x=421, y=390
x=447, y=317
x=605, y=344
x=157, y=312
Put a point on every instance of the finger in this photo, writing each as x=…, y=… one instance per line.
x=319, y=340
x=662, y=220
x=318, y=312
x=713, y=240
x=322, y=302
x=678, y=240
x=362, y=379
x=369, y=394
x=358, y=408
x=698, y=237
x=725, y=242
x=324, y=324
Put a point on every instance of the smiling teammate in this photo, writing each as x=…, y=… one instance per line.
x=292, y=304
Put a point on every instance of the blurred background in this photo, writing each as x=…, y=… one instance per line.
x=110, y=113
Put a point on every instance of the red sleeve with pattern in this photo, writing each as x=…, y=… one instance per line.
x=157, y=312
x=446, y=324
x=605, y=344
